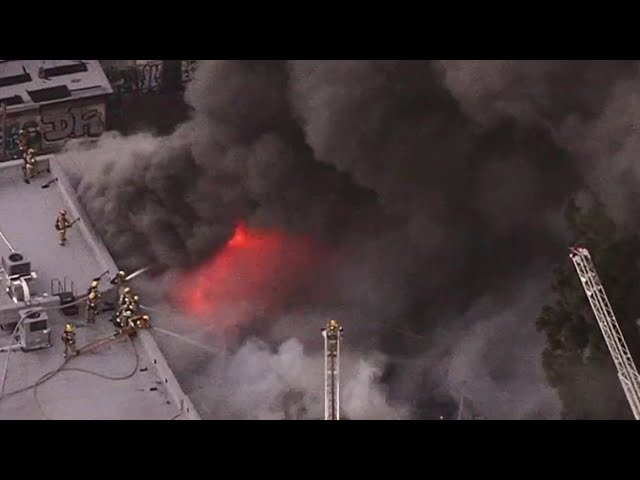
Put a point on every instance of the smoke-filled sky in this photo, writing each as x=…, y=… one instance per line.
x=431, y=193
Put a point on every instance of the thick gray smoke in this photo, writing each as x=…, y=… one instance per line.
x=437, y=184
x=258, y=382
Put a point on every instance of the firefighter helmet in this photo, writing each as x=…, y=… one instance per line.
x=63, y=212
x=121, y=274
x=136, y=298
x=127, y=290
x=94, y=284
x=68, y=327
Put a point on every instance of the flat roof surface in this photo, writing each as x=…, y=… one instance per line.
x=27, y=221
x=26, y=83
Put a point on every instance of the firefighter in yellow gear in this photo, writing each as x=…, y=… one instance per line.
x=142, y=321
x=123, y=304
x=23, y=140
x=93, y=287
x=69, y=340
x=92, y=305
x=125, y=297
x=334, y=327
x=120, y=280
x=29, y=167
x=134, y=304
x=123, y=318
x=62, y=224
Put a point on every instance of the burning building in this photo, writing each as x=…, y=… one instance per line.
x=406, y=198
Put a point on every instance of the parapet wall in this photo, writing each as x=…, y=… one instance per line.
x=76, y=210
x=187, y=409
x=13, y=170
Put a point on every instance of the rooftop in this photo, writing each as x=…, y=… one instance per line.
x=124, y=379
x=25, y=83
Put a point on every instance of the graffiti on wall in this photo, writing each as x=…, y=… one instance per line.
x=149, y=76
x=72, y=122
x=146, y=75
x=12, y=130
x=188, y=68
x=143, y=77
x=52, y=126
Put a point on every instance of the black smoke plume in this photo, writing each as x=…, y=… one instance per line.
x=442, y=181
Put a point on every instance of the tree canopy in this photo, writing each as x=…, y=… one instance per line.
x=576, y=359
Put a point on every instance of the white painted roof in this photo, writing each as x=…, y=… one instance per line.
x=25, y=76
x=82, y=390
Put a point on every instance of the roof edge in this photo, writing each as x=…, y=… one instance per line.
x=187, y=409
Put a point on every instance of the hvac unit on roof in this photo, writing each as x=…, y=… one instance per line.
x=16, y=265
x=34, y=332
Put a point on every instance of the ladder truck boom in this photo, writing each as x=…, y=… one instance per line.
x=332, y=336
x=627, y=372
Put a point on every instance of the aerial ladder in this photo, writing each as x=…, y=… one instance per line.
x=627, y=372
x=332, y=337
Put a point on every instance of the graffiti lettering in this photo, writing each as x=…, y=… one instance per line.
x=188, y=69
x=92, y=123
x=12, y=132
x=50, y=126
x=74, y=122
x=146, y=77
x=11, y=140
x=149, y=76
x=60, y=125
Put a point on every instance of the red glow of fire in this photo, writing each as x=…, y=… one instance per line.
x=254, y=272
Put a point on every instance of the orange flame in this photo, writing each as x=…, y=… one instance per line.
x=255, y=271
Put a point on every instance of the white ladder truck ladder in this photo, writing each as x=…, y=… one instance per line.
x=332, y=337
x=627, y=372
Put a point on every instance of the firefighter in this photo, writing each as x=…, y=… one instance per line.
x=125, y=298
x=62, y=224
x=120, y=280
x=123, y=304
x=69, y=340
x=134, y=304
x=29, y=167
x=23, y=140
x=92, y=305
x=142, y=321
x=94, y=286
x=123, y=318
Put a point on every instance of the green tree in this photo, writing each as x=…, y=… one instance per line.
x=576, y=358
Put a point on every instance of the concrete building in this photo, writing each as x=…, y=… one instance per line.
x=53, y=100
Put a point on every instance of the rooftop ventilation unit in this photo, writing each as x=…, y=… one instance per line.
x=49, y=94
x=16, y=265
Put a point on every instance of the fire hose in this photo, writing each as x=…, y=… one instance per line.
x=98, y=343
x=54, y=307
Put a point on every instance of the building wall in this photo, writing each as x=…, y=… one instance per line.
x=50, y=126
x=145, y=76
